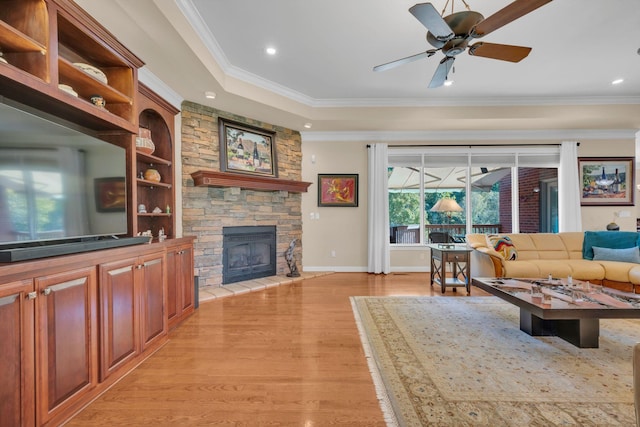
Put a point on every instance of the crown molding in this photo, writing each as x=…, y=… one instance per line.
x=202, y=30
x=471, y=135
x=161, y=88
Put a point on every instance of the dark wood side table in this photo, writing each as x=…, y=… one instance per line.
x=459, y=257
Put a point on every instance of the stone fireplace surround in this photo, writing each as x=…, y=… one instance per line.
x=207, y=209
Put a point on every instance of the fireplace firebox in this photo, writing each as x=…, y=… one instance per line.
x=248, y=252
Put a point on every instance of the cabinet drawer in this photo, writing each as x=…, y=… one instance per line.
x=455, y=257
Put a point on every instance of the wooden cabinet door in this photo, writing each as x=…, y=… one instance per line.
x=119, y=332
x=180, y=295
x=152, y=279
x=67, y=341
x=17, y=351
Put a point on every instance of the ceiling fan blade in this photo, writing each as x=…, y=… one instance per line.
x=440, y=76
x=507, y=14
x=431, y=19
x=503, y=52
x=406, y=60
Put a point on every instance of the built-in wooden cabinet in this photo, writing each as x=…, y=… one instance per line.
x=132, y=295
x=71, y=326
x=180, y=292
x=48, y=43
x=157, y=117
x=66, y=337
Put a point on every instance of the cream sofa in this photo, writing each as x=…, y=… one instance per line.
x=558, y=254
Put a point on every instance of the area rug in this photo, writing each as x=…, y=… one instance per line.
x=464, y=362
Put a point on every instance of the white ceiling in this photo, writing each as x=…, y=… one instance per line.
x=323, y=74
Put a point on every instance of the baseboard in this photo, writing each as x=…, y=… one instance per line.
x=336, y=269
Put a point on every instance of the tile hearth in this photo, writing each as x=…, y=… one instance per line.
x=209, y=293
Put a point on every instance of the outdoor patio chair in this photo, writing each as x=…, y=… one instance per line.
x=439, y=237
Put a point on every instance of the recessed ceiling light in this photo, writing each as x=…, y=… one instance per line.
x=448, y=83
x=307, y=125
x=270, y=50
x=617, y=81
x=210, y=95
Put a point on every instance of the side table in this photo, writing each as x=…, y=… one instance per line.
x=459, y=256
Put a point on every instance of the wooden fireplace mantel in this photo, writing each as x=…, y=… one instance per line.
x=205, y=178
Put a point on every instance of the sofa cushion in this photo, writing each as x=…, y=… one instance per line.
x=618, y=271
x=503, y=245
x=623, y=255
x=608, y=239
x=549, y=246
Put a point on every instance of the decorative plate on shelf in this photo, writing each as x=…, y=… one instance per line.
x=68, y=89
x=92, y=71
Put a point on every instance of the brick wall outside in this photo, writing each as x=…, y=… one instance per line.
x=528, y=179
x=206, y=209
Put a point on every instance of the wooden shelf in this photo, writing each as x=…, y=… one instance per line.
x=152, y=160
x=205, y=178
x=146, y=183
x=151, y=214
x=15, y=41
x=87, y=85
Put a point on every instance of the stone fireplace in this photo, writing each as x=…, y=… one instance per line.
x=248, y=252
x=209, y=209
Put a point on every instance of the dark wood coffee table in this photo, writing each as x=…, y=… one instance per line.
x=576, y=321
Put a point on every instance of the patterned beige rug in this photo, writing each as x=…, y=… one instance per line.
x=465, y=362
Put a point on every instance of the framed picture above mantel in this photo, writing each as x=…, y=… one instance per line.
x=247, y=149
x=606, y=181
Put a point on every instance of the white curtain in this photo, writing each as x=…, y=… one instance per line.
x=569, y=213
x=378, y=210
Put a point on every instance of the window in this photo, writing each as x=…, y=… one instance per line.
x=420, y=177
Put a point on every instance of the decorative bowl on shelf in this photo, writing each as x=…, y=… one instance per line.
x=68, y=89
x=92, y=71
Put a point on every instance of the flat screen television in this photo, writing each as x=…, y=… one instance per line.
x=58, y=186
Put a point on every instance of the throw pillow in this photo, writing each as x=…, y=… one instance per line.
x=503, y=245
x=608, y=239
x=624, y=255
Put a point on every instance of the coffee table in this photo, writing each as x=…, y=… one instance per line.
x=576, y=320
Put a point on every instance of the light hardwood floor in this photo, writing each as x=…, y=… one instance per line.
x=285, y=356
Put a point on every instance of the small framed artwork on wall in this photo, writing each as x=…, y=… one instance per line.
x=339, y=190
x=606, y=181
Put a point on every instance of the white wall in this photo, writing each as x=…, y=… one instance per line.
x=344, y=230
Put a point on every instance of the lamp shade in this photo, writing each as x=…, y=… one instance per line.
x=446, y=204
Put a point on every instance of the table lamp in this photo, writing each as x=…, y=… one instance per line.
x=447, y=206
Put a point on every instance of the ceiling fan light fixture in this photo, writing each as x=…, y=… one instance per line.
x=271, y=50
x=448, y=83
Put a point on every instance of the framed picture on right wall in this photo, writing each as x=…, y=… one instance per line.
x=606, y=181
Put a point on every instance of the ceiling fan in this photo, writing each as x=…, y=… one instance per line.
x=451, y=34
